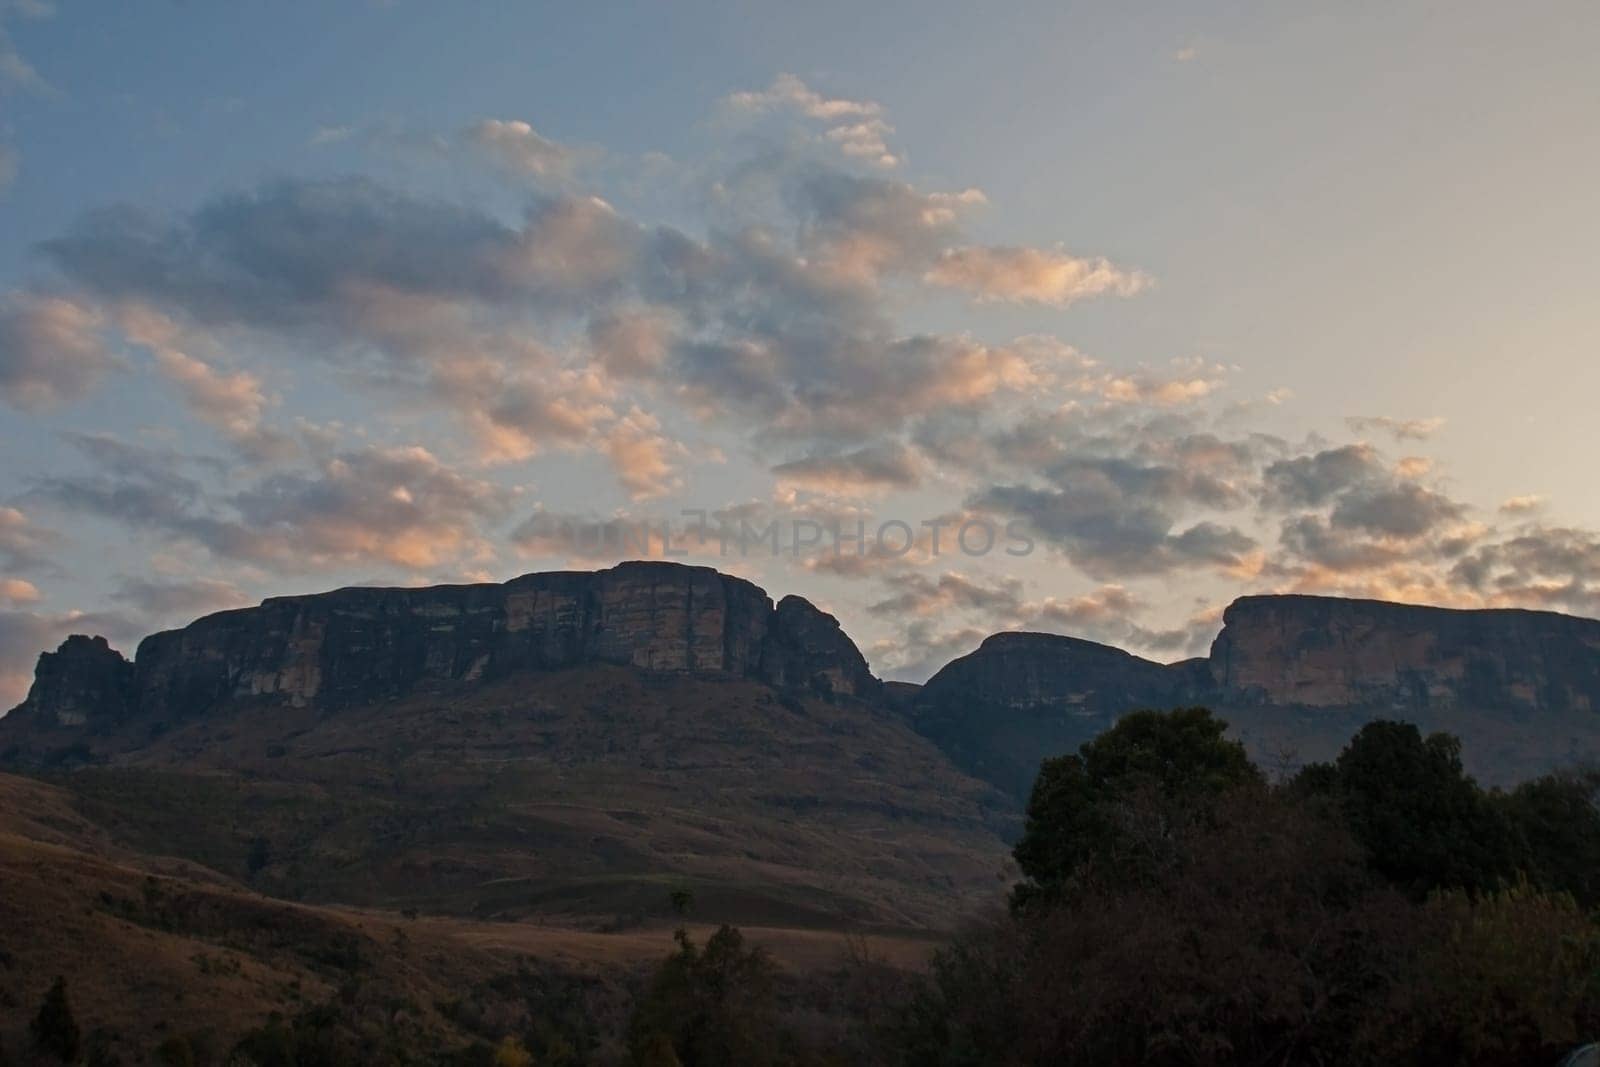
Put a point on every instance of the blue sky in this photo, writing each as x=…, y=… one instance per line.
x=1213, y=299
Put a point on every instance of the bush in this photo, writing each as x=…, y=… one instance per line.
x=55, y=1031
x=711, y=1007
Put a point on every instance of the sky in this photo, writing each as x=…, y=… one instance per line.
x=1078, y=318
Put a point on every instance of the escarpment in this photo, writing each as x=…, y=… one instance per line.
x=359, y=645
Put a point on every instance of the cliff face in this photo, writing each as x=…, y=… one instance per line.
x=1325, y=652
x=84, y=681
x=1022, y=697
x=359, y=645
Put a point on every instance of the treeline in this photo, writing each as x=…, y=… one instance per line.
x=1178, y=908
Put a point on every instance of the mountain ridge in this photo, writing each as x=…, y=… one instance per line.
x=1017, y=698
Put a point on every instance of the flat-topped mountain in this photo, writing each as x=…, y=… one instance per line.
x=567, y=744
x=356, y=645
x=1281, y=665
x=1328, y=652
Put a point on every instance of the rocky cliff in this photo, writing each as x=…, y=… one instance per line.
x=1022, y=697
x=1304, y=651
x=359, y=645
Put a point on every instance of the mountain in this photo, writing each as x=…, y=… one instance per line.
x=1296, y=675
x=357, y=645
x=1328, y=652
x=571, y=746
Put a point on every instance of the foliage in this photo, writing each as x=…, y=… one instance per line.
x=1509, y=978
x=1112, y=810
x=1424, y=823
x=1381, y=909
x=713, y=1006
x=55, y=1031
x=1558, y=824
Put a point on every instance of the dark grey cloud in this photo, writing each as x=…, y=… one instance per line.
x=1314, y=480
x=918, y=593
x=1539, y=566
x=887, y=466
x=177, y=599
x=1404, y=510
x=1115, y=533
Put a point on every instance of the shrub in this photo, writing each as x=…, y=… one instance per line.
x=55, y=1031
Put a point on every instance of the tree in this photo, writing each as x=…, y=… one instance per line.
x=715, y=1006
x=1423, y=821
x=55, y=1031
x=1111, y=809
x=1558, y=824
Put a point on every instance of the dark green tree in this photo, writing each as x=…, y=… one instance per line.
x=1424, y=823
x=55, y=1031
x=1558, y=823
x=1110, y=811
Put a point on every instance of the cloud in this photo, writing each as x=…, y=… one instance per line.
x=177, y=600
x=24, y=545
x=869, y=469
x=1522, y=505
x=1031, y=275
x=232, y=402
x=324, y=135
x=939, y=617
x=1552, y=567
x=642, y=455
x=1312, y=480
x=17, y=75
x=10, y=164
x=857, y=127
x=1405, y=511
x=858, y=229
x=16, y=591
x=52, y=349
x=517, y=147
x=1399, y=429
x=633, y=342
x=399, y=506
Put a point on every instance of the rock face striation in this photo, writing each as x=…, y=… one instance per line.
x=1022, y=697
x=1305, y=651
x=359, y=645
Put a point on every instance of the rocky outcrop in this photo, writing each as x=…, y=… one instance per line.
x=1303, y=651
x=84, y=682
x=807, y=649
x=361, y=645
